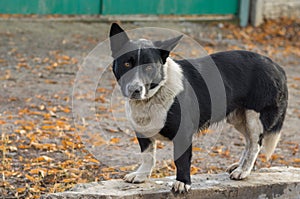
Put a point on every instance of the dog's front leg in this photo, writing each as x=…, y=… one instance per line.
x=183, y=164
x=148, y=148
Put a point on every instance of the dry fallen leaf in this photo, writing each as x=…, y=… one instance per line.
x=114, y=140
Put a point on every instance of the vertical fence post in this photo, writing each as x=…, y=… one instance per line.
x=100, y=7
x=244, y=12
x=256, y=14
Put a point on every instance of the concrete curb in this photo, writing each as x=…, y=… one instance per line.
x=124, y=18
x=276, y=182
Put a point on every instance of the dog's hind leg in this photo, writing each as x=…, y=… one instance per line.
x=238, y=120
x=148, y=148
x=248, y=123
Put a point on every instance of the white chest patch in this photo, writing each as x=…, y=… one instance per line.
x=148, y=116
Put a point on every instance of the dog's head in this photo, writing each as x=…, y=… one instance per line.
x=139, y=65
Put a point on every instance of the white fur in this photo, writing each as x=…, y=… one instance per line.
x=145, y=169
x=180, y=187
x=137, y=81
x=270, y=141
x=148, y=116
x=247, y=123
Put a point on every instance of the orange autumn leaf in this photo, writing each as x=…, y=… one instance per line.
x=134, y=140
x=114, y=140
x=102, y=90
x=65, y=57
x=296, y=160
x=35, y=189
x=66, y=110
x=23, y=146
x=32, y=179
x=45, y=60
x=100, y=99
x=68, y=180
x=160, y=145
x=48, y=122
x=93, y=160
x=127, y=168
x=98, y=141
x=194, y=170
x=28, y=128
x=42, y=159
x=108, y=169
x=21, y=189
x=46, y=146
x=197, y=149
x=37, y=171
x=2, y=61
x=25, y=65
x=48, y=127
x=53, y=171
x=61, y=123
x=275, y=157
x=9, y=173
x=49, y=81
x=262, y=158
x=67, y=143
x=47, y=116
x=226, y=153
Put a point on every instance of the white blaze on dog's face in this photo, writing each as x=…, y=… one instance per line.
x=139, y=65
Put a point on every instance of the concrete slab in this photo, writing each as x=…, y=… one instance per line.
x=276, y=182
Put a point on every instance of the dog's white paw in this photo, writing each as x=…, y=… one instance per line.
x=135, y=177
x=239, y=174
x=232, y=167
x=180, y=187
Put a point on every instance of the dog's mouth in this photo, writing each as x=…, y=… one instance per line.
x=134, y=96
x=153, y=85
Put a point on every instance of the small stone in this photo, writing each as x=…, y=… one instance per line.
x=159, y=182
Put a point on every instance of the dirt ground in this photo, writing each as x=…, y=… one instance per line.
x=39, y=149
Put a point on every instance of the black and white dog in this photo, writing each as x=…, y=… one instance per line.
x=161, y=103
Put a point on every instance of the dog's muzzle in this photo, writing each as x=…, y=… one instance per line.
x=135, y=91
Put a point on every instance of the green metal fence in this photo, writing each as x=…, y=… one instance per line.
x=170, y=7
x=113, y=7
x=68, y=7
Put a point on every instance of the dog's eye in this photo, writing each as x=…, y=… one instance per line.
x=149, y=68
x=127, y=64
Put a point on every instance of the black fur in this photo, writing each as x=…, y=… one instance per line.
x=252, y=81
x=183, y=165
x=143, y=142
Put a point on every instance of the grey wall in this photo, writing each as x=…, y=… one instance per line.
x=272, y=9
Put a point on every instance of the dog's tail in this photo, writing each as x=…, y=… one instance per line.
x=270, y=141
x=272, y=119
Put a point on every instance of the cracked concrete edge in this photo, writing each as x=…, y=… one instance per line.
x=277, y=182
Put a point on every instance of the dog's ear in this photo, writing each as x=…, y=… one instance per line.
x=117, y=37
x=166, y=46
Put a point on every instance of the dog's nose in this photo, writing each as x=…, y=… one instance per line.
x=135, y=89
